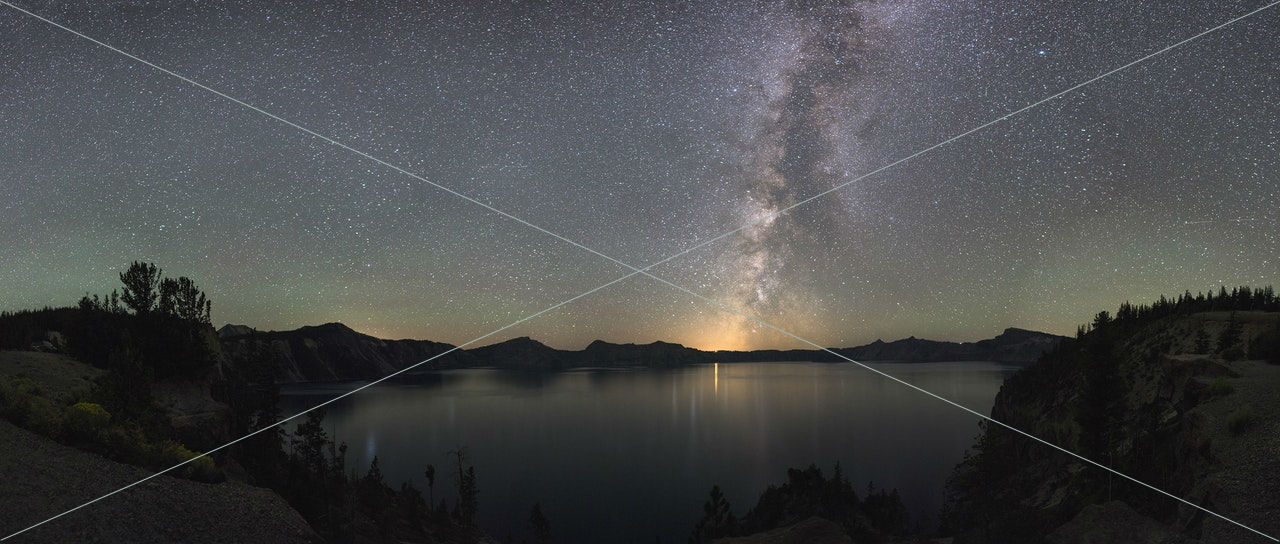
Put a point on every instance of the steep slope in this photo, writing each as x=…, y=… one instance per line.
x=1152, y=398
x=522, y=353
x=1015, y=346
x=656, y=354
x=43, y=478
x=333, y=352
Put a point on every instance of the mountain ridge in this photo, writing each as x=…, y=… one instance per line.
x=335, y=352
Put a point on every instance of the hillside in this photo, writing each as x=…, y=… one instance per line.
x=1177, y=399
x=43, y=477
x=331, y=352
x=1013, y=346
x=336, y=352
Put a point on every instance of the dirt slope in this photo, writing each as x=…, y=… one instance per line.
x=42, y=478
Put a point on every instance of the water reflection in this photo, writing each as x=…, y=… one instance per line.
x=621, y=456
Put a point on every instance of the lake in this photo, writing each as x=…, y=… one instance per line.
x=630, y=455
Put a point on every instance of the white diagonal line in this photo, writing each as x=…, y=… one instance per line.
x=330, y=401
x=969, y=410
x=644, y=271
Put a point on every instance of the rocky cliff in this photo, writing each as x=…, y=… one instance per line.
x=1015, y=346
x=1175, y=401
x=332, y=352
x=336, y=352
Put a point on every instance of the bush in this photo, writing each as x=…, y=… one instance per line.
x=1240, y=420
x=1220, y=388
x=85, y=421
x=44, y=418
x=170, y=453
x=126, y=443
x=22, y=403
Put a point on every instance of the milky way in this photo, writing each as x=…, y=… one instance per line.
x=639, y=131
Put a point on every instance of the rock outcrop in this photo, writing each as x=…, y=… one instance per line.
x=1014, y=346
x=1153, y=399
x=333, y=352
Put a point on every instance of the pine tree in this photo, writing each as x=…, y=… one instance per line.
x=539, y=525
x=1202, y=340
x=141, y=284
x=1229, y=340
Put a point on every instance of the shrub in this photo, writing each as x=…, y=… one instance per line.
x=85, y=421
x=22, y=403
x=170, y=453
x=1240, y=420
x=126, y=443
x=43, y=418
x=1220, y=388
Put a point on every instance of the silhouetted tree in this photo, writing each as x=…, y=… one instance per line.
x=431, y=483
x=464, y=511
x=1096, y=414
x=539, y=525
x=182, y=299
x=141, y=282
x=717, y=518
x=1229, y=340
x=1202, y=340
x=1266, y=346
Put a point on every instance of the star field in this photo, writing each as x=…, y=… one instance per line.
x=640, y=131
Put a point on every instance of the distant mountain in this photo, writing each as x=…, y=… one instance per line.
x=332, y=352
x=657, y=354
x=1014, y=346
x=523, y=352
x=527, y=353
x=336, y=352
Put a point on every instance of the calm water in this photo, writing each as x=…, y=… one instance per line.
x=627, y=456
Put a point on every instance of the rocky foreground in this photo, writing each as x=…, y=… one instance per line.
x=1183, y=403
x=43, y=478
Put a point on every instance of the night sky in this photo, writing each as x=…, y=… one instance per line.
x=638, y=132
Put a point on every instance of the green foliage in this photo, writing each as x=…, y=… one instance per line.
x=22, y=402
x=1240, y=420
x=170, y=453
x=85, y=421
x=90, y=426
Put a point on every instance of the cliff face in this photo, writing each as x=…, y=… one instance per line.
x=525, y=353
x=521, y=353
x=1151, y=400
x=1011, y=346
x=1015, y=346
x=333, y=352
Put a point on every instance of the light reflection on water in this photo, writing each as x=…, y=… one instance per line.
x=611, y=459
